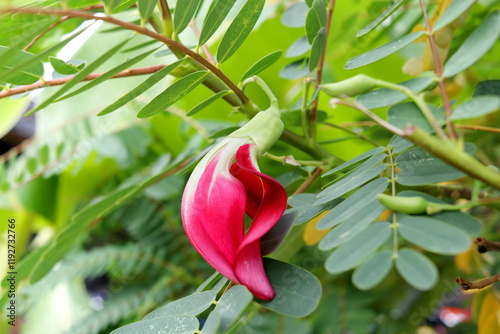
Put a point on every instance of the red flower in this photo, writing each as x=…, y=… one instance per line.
x=226, y=185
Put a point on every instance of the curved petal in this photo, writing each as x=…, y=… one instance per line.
x=249, y=269
x=265, y=197
x=265, y=203
x=213, y=213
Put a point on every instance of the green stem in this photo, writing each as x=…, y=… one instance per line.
x=166, y=18
x=439, y=71
x=394, y=224
x=438, y=207
x=354, y=133
x=290, y=160
x=262, y=84
x=448, y=152
x=304, y=109
x=419, y=101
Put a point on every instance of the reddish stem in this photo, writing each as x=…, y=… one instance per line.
x=319, y=73
x=141, y=30
x=62, y=81
x=439, y=71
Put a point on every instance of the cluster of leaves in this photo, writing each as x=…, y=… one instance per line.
x=106, y=190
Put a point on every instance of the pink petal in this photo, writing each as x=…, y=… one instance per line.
x=213, y=215
x=250, y=271
x=266, y=201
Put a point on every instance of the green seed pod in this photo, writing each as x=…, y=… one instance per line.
x=356, y=85
x=409, y=205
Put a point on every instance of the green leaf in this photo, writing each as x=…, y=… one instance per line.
x=303, y=204
x=298, y=48
x=317, y=48
x=384, y=97
x=212, y=324
x=407, y=114
x=202, y=105
x=239, y=29
x=319, y=7
x=172, y=94
x=352, y=226
x=476, y=107
x=146, y=8
x=30, y=28
x=80, y=76
x=190, y=305
x=297, y=291
x=454, y=10
x=232, y=304
x=467, y=223
x=399, y=144
x=434, y=235
x=312, y=25
x=105, y=76
x=214, y=18
x=295, y=15
x=372, y=272
x=487, y=87
x=475, y=46
x=262, y=64
x=111, y=4
x=382, y=51
x=381, y=18
x=416, y=269
x=66, y=68
x=209, y=282
x=82, y=221
x=353, y=252
x=14, y=70
x=419, y=167
x=350, y=182
x=296, y=70
x=184, y=12
x=176, y=324
x=144, y=86
x=294, y=117
x=362, y=157
x=353, y=204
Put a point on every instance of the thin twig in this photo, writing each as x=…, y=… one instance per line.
x=477, y=127
x=93, y=76
x=358, y=135
x=319, y=73
x=439, y=71
x=466, y=285
x=52, y=26
x=483, y=245
x=314, y=175
x=204, y=47
x=141, y=30
x=369, y=113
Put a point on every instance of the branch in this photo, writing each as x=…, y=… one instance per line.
x=477, y=128
x=439, y=72
x=448, y=152
x=466, y=285
x=93, y=76
x=319, y=73
x=369, y=113
x=483, y=245
x=141, y=30
x=315, y=174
